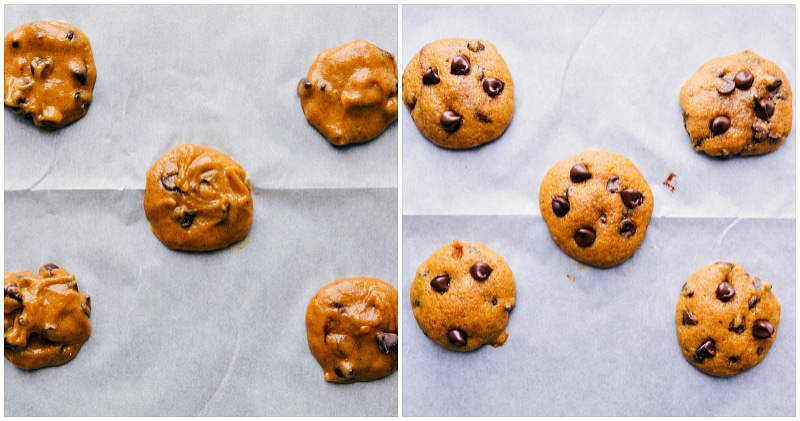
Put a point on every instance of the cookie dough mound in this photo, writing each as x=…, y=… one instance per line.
x=352, y=329
x=46, y=318
x=727, y=320
x=459, y=92
x=49, y=74
x=198, y=199
x=597, y=206
x=350, y=93
x=737, y=105
x=461, y=296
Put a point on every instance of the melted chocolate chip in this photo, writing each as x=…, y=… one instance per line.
x=431, y=76
x=743, y=80
x=726, y=86
x=765, y=108
x=720, y=124
x=627, y=228
x=493, y=86
x=560, y=206
x=631, y=198
x=387, y=342
x=585, y=237
x=441, y=282
x=459, y=65
x=763, y=329
x=688, y=318
x=50, y=266
x=480, y=271
x=188, y=219
x=725, y=291
x=81, y=74
x=752, y=302
x=475, y=46
x=450, y=121
x=457, y=338
x=775, y=84
x=12, y=291
x=168, y=181
x=579, y=173
x=613, y=184
x=705, y=351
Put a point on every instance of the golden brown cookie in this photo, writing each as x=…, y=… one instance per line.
x=352, y=329
x=198, y=199
x=461, y=296
x=50, y=73
x=737, y=104
x=350, y=93
x=459, y=92
x=46, y=318
x=727, y=320
x=597, y=206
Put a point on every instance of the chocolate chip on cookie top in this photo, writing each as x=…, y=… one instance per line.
x=739, y=104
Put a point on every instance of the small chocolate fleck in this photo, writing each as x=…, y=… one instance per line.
x=475, y=46
x=631, y=198
x=765, y=108
x=613, y=184
x=70, y=34
x=752, y=302
x=560, y=206
x=733, y=360
x=459, y=65
x=493, y=86
x=431, y=76
x=323, y=86
x=416, y=302
x=720, y=124
x=688, y=318
x=726, y=86
x=188, y=219
x=585, y=237
x=627, y=228
x=668, y=182
x=579, y=173
x=457, y=338
x=480, y=271
x=743, y=80
x=50, y=266
x=441, y=282
x=705, y=351
x=483, y=118
x=450, y=121
x=725, y=291
x=494, y=301
x=602, y=219
x=763, y=329
x=387, y=342
x=413, y=101
x=759, y=350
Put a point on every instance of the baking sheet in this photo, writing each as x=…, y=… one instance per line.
x=586, y=341
x=200, y=334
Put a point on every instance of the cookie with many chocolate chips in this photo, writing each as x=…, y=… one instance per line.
x=739, y=104
x=597, y=206
x=461, y=296
x=49, y=73
x=727, y=320
x=459, y=92
x=351, y=325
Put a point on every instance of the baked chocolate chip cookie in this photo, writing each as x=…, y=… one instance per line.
x=727, y=320
x=461, y=296
x=597, y=206
x=198, y=199
x=739, y=104
x=49, y=74
x=46, y=318
x=459, y=92
x=352, y=329
x=350, y=93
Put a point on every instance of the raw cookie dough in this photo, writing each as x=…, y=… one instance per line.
x=459, y=92
x=597, y=206
x=46, y=318
x=737, y=104
x=49, y=73
x=461, y=296
x=352, y=329
x=198, y=199
x=727, y=320
x=350, y=93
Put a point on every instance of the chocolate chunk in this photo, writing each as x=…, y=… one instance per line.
x=457, y=338
x=459, y=65
x=627, y=228
x=743, y=80
x=688, y=318
x=431, y=76
x=450, y=121
x=387, y=342
x=613, y=184
x=726, y=86
x=763, y=329
x=774, y=84
x=441, y=282
x=705, y=351
x=12, y=291
x=752, y=302
x=765, y=108
x=720, y=124
x=493, y=86
x=560, y=206
x=725, y=291
x=168, y=181
x=50, y=266
x=631, y=198
x=585, y=237
x=188, y=219
x=480, y=271
x=579, y=173
x=475, y=46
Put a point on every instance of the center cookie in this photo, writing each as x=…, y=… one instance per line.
x=461, y=296
x=597, y=206
x=459, y=92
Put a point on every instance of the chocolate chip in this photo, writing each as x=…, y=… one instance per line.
x=736, y=328
x=627, y=228
x=441, y=282
x=585, y=237
x=613, y=184
x=431, y=76
x=188, y=219
x=725, y=291
x=763, y=329
x=774, y=138
x=759, y=131
x=323, y=86
x=494, y=301
x=304, y=82
x=459, y=65
x=720, y=124
x=726, y=86
x=733, y=360
x=705, y=351
x=483, y=118
x=475, y=46
x=70, y=34
x=15, y=44
x=81, y=74
x=50, y=267
x=560, y=206
x=450, y=121
x=743, y=80
x=457, y=338
x=387, y=342
x=416, y=302
x=759, y=350
x=765, y=108
x=493, y=86
x=688, y=318
x=168, y=181
x=578, y=173
x=774, y=84
x=602, y=219
x=631, y=198
x=752, y=302
x=338, y=372
x=480, y=271
x=12, y=291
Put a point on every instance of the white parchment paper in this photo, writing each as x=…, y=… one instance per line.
x=586, y=341
x=209, y=334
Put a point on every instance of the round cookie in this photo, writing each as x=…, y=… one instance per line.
x=352, y=329
x=46, y=318
x=461, y=296
x=727, y=320
x=459, y=92
x=350, y=93
x=739, y=104
x=597, y=206
x=197, y=199
x=49, y=73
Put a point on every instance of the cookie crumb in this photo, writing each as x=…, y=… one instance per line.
x=669, y=182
